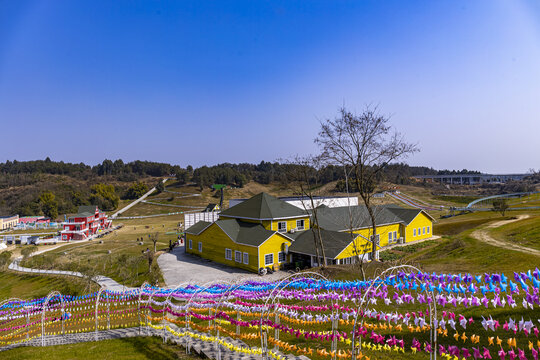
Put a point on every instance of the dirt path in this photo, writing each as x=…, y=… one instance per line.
x=483, y=235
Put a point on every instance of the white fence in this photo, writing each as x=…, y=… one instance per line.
x=193, y=218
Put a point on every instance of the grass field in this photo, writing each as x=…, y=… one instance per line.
x=140, y=348
x=524, y=232
x=119, y=256
x=24, y=286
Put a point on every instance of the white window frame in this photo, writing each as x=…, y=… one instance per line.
x=424, y=230
x=414, y=231
x=190, y=244
x=246, y=258
x=300, y=227
x=390, y=237
x=229, y=253
x=199, y=246
x=266, y=263
x=237, y=256
x=428, y=229
x=282, y=253
x=282, y=230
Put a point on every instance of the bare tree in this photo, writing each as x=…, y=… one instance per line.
x=364, y=144
x=304, y=172
x=154, y=238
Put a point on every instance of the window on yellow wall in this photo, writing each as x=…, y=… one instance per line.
x=268, y=259
x=428, y=229
x=246, y=258
x=282, y=257
x=228, y=254
x=282, y=226
x=190, y=244
x=238, y=256
x=200, y=246
x=300, y=224
x=414, y=232
x=424, y=230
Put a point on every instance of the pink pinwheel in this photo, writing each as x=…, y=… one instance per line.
x=502, y=354
x=534, y=354
x=536, y=331
x=476, y=353
x=486, y=354
x=465, y=353
x=521, y=355
x=512, y=354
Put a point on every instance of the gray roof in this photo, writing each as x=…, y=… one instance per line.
x=87, y=208
x=333, y=242
x=198, y=227
x=338, y=219
x=245, y=233
x=264, y=207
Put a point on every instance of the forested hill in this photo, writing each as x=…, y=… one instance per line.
x=50, y=187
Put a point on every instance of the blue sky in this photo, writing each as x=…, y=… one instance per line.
x=204, y=82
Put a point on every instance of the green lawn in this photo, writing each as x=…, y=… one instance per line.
x=139, y=348
x=24, y=286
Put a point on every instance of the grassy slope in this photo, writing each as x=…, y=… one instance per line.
x=525, y=232
x=123, y=241
x=33, y=286
x=128, y=349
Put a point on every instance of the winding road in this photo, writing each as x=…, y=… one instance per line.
x=484, y=236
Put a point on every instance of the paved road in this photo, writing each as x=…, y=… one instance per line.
x=178, y=267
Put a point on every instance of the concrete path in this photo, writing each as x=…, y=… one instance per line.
x=202, y=348
x=101, y=280
x=136, y=201
x=484, y=236
x=178, y=267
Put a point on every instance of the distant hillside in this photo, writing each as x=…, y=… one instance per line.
x=45, y=186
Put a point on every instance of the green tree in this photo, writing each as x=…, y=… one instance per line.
x=104, y=196
x=500, y=205
x=160, y=186
x=49, y=205
x=136, y=190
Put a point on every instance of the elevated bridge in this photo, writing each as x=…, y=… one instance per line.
x=470, y=179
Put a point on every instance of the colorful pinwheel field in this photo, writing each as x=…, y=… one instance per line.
x=402, y=314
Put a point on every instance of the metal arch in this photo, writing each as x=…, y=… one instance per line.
x=97, y=306
x=7, y=301
x=263, y=329
x=140, y=290
x=167, y=302
x=202, y=288
x=45, y=303
x=233, y=286
x=432, y=310
x=148, y=323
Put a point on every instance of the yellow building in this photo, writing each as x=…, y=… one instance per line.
x=8, y=222
x=266, y=232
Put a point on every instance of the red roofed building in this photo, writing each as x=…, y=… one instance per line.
x=88, y=221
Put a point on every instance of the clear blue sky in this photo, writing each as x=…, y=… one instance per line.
x=204, y=82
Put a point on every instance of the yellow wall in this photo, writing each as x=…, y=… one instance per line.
x=215, y=241
x=273, y=245
x=420, y=222
x=273, y=224
x=291, y=224
x=363, y=246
